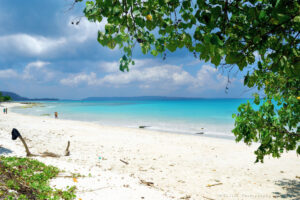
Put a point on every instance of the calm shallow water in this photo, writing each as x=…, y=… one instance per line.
x=211, y=116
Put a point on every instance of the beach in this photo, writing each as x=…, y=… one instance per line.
x=130, y=163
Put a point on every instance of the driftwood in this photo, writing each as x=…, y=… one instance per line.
x=16, y=134
x=28, y=153
x=93, y=190
x=50, y=154
x=186, y=197
x=210, y=185
x=207, y=198
x=123, y=161
x=67, y=152
x=147, y=183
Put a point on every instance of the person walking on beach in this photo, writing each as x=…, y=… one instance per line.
x=5, y=110
x=56, y=115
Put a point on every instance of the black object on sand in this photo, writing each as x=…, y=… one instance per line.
x=143, y=126
x=15, y=134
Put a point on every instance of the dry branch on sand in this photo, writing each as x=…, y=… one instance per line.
x=16, y=134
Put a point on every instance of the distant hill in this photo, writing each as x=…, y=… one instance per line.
x=14, y=96
x=17, y=97
x=142, y=98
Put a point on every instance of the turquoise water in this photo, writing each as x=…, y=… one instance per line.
x=211, y=116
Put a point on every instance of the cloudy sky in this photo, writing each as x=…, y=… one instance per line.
x=43, y=55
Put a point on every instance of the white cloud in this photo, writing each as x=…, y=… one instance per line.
x=36, y=70
x=76, y=79
x=209, y=77
x=114, y=66
x=137, y=74
x=84, y=30
x=182, y=78
x=29, y=45
x=8, y=73
x=37, y=64
x=109, y=66
x=148, y=75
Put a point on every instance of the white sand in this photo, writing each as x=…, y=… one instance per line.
x=179, y=165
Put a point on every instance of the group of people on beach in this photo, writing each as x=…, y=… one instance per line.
x=4, y=110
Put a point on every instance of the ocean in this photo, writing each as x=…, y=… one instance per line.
x=213, y=117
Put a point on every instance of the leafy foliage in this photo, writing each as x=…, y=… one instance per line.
x=240, y=33
x=29, y=179
x=4, y=98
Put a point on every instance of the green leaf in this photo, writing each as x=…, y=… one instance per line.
x=116, y=9
x=262, y=15
x=136, y=12
x=216, y=60
x=145, y=48
x=140, y=22
x=282, y=17
x=256, y=99
x=119, y=39
x=172, y=46
x=297, y=19
x=124, y=63
x=111, y=44
x=251, y=59
x=154, y=52
x=216, y=40
x=233, y=58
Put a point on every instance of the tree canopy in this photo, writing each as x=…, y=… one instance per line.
x=4, y=98
x=258, y=36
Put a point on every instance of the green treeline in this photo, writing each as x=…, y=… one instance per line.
x=5, y=98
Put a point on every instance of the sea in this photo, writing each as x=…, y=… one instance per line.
x=209, y=117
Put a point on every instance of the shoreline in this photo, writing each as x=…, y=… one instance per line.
x=204, y=132
x=179, y=165
x=215, y=136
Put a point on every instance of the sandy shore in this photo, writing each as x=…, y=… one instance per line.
x=180, y=166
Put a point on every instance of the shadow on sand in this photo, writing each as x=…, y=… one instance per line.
x=292, y=188
x=4, y=150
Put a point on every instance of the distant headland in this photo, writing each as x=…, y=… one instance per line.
x=16, y=97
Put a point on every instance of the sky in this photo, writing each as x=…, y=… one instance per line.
x=43, y=55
